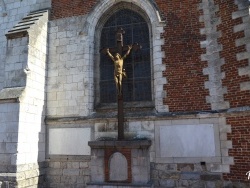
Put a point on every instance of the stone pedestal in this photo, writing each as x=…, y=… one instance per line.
x=120, y=164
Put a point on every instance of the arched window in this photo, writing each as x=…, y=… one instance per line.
x=137, y=85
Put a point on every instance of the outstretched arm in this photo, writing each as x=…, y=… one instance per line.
x=129, y=48
x=110, y=55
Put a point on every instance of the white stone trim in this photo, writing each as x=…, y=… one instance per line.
x=94, y=22
x=244, y=14
x=212, y=56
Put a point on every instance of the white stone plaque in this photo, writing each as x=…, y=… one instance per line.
x=187, y=141
x=118, y=167
x=69, y=141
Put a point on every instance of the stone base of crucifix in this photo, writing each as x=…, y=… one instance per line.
x=120, y=164
x=113, y=161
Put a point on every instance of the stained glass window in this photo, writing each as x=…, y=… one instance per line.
x=137, y=85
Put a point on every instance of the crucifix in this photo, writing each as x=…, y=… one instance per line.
x=119, y=73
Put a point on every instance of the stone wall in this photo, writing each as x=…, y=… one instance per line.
x=12, y=12
x=240, y=147
x=189, y=175
x=184, y=175
x=170, y=169
x=185, y=81
x=31, y=175
x=74, y=59
x=24, y=95
x=235, y=53
x=8, y=135
x=212, y=51
x=200, y=63
x=70, y=84
x=68, y=172
x=125, y=162
x=200, y=75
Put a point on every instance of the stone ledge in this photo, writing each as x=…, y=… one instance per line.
x=147, y=116
x=127, y=185
x=11, y=94
x=140, y=144
x=8, y=176
x=21, y=28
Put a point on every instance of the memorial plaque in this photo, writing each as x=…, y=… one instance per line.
x=187, y=141
x=69, y=141
x=118, y=167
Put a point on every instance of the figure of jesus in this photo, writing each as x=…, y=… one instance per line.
x=119, y=72
x=248, y=175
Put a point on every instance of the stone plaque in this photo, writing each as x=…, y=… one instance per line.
x=187, y=141
x=118, y=167
x=69, y=141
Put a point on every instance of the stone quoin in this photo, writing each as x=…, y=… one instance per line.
x=186, y=96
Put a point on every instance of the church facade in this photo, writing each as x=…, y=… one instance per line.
x=187, y=91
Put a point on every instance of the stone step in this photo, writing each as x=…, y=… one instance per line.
x=119, y=185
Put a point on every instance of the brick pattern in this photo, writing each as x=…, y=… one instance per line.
x=104, y=9
x=71, y=71
x=68, y=8
x=232, y=31
x=243, y=13
x=240, y=137
x=185, y=81
x=71, y=84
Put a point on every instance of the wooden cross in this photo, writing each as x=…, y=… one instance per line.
x=119, y=44
x=120, y=49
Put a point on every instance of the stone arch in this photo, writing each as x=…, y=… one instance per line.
x=137, y=87
x=106, y=6
x=148, y=11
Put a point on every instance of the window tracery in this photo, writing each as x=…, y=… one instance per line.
x=137, y=86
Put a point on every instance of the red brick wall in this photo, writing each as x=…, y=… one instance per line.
x=240, y=137
x=184, y=68
x=232, y=80
x=185, y=87
x=67, y=8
